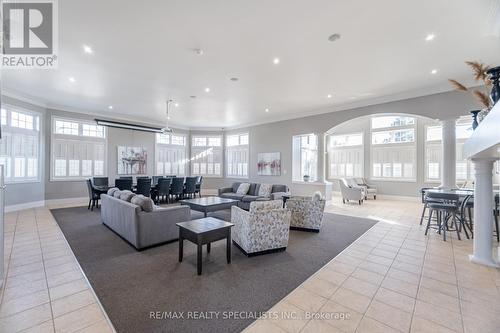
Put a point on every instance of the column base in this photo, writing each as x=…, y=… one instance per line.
x=486, y=262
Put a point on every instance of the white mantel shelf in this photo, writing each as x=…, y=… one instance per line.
x=485, y=140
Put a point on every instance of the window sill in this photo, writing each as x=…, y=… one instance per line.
x=316, y=183
x=22, y=182
x=394, y=180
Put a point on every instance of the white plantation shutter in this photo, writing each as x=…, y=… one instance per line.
x=237, y=155
x=206, y=156
x=171, y=154
x=19, y=146
x=345, y=155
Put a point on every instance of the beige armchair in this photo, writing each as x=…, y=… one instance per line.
x=263, y=229
x=307, y=213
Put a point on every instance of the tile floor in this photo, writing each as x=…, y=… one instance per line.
x=392, y=279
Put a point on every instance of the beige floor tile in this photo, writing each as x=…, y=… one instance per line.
x=77, y=320
x=473, y=324
x=395, y=299
x=408, y=289
x=439, y=299
x=369, y=325
x=306, y=300
x=72, y=302
x=46, y=327
x=438, y=315
x=443, y=287
x=341, y=317
x=404, y=276
x=19, y=304
x=23, y=290
x=331, y=276
x=379, y=260
x=264, y=326
x=374, y=267
x=351, y=299
x=360, y=286
x=26, y=319
x=290, y=318
x=389, y=315
x=405, y=267
x=368, y=276
x=63, y=278
x=419, y=325
x=67, y=289
x=319, y=326
x=100, y=327
x=340, y=267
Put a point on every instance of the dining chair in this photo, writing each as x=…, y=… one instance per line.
x=127, y=177
x=177, y=188
x=100, y=181
x=143, y=186
x=123, y=184
x=163, y=189
x=199, y=181
x=190, y=187
x=155, y=179
x=93, y=195
x=445, y=206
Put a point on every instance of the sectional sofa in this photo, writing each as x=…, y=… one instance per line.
x=277, y=192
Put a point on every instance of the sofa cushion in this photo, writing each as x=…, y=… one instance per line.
x=235, y=187
x=112, y=190
x=279, y=188
x=249, y=198
x=233, y=196
x=127, y=195
x=265, y=190
x=254, y=189
x=117, y=194
x=145, y=203
x=243, y=188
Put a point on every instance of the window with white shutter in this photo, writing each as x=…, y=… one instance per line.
x=171, y=154
x=237, y=155
x=206, y=155
x=20, y=144
x=78, y=149
x=345, y=155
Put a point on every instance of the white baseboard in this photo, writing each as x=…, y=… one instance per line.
x=67, y=201
x=27, y=205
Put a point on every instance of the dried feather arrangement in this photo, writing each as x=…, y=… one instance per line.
x=481, y=94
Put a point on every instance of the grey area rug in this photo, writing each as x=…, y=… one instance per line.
x=132, y=284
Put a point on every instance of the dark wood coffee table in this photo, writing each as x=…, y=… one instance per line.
x=209, y=204
x=204, y=231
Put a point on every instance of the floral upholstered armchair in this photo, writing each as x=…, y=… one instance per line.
x=307, y=213
x=262, y=229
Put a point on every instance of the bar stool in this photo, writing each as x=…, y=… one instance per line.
x=443, y=205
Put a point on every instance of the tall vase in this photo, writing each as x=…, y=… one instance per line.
x=494, y=75
x=474, y=118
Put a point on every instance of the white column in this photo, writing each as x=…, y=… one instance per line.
x=321, y=158
x=483, y=213
x=449, y=154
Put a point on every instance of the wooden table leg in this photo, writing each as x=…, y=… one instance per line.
x=199, y=258
x=181, y=248
x=228, y=247
x=208, y=247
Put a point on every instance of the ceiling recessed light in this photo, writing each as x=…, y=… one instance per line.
x=176, y=104
x=334, y=37
x=430, y=37
x=110, y=107
x=168, y=118
x=276, y=61
x=87, y=49
x=329, y=96
x=71, y=79
x=207, y=90
x=267, y=110
x=434, y=71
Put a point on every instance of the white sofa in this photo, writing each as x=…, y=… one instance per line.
x=350, y=190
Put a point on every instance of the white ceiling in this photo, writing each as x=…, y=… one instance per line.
x=143, y=54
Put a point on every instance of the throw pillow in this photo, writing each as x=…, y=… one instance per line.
x=317, y=196
x=145, y=203
x=127, y=195
x=243, y=188
x=265, y=190
x=112, y=190
x=117, y=194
